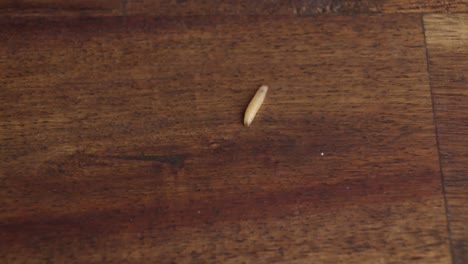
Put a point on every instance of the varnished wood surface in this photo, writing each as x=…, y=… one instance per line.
x=122, y=141
x=314, y=7
x=61, y=7
x=290, y=7
x=447, y=43
x=223, y=7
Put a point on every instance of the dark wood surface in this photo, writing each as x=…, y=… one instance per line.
x=447, y=41
x=122, y=136
x=223, y=7
x=61, y=7
x=290, y=7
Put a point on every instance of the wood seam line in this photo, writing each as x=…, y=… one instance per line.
x=434, y=116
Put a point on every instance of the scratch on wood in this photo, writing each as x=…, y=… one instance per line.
x=173, y=160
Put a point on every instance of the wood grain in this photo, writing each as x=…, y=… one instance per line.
x=447, y=42
x=207, y=7
x=122, y=141
x=290, y=7
x=223, y=7
x=60, y=7
x=313, y=7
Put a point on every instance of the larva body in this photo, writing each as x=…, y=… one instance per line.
x=255, y=104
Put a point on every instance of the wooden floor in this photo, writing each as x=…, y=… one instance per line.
x=122, y=141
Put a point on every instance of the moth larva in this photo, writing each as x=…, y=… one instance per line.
x=255, y=104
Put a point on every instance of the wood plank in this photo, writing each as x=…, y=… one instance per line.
x=312, y=7
x=291, y=7
x=60, y=7
x=224, y=7
x=206, y=7
x=424, y=6
x=122, y=141
x=447, y=42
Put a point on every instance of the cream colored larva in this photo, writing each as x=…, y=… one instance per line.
x=255, y=104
